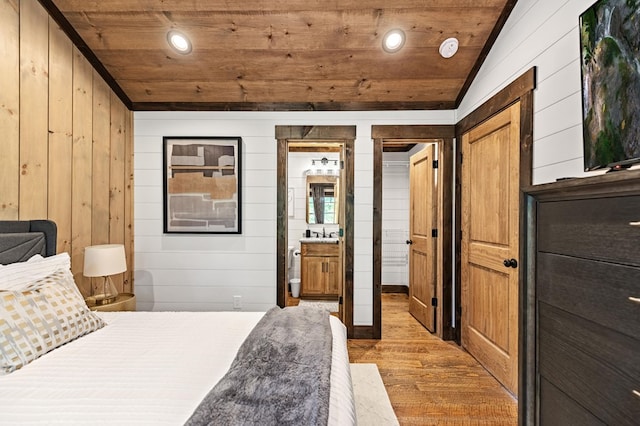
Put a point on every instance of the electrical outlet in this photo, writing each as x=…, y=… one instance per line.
x=237, y=303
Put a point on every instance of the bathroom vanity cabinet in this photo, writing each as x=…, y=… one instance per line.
x=320, y=269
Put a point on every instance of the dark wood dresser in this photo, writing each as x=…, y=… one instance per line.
x=583, y=281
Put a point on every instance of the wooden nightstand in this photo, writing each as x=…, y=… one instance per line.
x=124, y=302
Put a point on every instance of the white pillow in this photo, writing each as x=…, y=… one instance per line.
x=35, y=258
x=17, y=275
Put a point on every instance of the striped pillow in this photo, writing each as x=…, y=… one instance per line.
x=41, y=317
x=16, y=276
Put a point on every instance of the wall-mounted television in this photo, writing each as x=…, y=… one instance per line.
x=610, y=62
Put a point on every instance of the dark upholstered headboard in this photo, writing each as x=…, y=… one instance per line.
x=21, y=239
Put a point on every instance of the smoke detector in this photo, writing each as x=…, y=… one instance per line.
x=449, y=47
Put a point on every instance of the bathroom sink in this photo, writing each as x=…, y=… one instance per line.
x=319, y=240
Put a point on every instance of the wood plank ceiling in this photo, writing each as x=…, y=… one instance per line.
x=283, y=54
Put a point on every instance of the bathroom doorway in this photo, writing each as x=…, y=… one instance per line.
x=315, y=213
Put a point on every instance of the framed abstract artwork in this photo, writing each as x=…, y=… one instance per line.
x=202, y=185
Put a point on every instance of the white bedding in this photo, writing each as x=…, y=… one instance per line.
x=147, y=368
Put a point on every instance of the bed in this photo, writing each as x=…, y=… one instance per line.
x=162, y=367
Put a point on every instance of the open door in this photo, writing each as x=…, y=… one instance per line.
x=490, y=244
x=422, y=237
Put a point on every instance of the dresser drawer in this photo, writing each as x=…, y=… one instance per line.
x=556, y=408
x=596, y=291
x=598, y=229
x=592, y=365
x=600, y=343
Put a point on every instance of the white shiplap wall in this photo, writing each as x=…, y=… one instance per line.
x=204, y=272
x=395, y=218
x=544, y=34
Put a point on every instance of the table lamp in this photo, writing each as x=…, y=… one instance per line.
x=103, y=261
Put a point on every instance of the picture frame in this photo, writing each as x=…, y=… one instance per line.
x=202, y=184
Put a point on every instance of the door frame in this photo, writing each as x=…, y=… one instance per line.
x=521, y=89
x=443, y=136
x=345, y=135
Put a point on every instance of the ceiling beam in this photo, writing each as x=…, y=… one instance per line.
x=289, y=106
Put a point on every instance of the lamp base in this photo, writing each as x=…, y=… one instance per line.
x=102, y=299
x=107, y=295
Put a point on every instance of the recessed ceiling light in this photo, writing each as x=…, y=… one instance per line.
x=179, y=42
x=393, y=41
x=449, y=47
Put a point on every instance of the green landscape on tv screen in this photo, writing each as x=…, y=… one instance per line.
x=610, y=62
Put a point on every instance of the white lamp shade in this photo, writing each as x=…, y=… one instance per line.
x=104, y=260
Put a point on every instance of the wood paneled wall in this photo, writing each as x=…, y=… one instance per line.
x=66, y=140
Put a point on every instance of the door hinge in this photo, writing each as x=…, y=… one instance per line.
x=434, y=301
x=341, y=164
x=340, y=300
x=434, y=233
x=435, y=164
x=460, y=158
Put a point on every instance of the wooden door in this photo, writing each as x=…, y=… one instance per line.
x=490, y=221
x=422, y=242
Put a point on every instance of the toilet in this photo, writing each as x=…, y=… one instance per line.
x=294, y=283
x=295, y=287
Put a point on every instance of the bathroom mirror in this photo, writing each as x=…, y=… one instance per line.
x=322, y=199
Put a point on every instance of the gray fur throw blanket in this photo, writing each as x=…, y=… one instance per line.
x=280, y=376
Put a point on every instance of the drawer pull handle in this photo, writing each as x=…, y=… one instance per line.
x=634, y=223
x=634, y=299
x=636, y=393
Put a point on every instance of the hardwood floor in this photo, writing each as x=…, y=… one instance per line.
x=430, y=381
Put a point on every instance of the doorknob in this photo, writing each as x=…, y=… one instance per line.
x=409, y=242
x=510, y=263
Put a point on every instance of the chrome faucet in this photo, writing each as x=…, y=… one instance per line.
x=323, y=233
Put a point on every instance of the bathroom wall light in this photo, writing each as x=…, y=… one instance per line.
x=393, y=41
x=449, y=47
x=322, y=166
x=324, y=161
x=179, y=42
